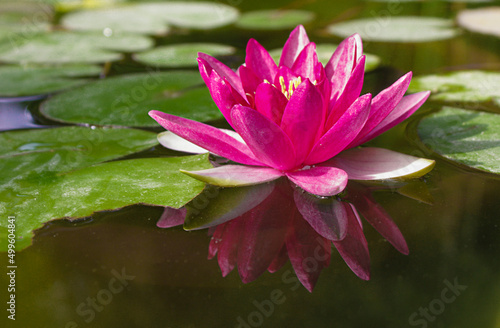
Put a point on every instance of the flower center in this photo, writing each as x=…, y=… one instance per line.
x=292, y=85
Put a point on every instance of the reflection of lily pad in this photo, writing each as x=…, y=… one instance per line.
x=25, y=81
x=463, y=86
x=68, y=47
x=481, y=20
x=152, y=18
x=126, y=100
x=274, y=19
x=182, y=55
x=467, y=137
x=397, y=29
x=30, y=159
x=325, y=51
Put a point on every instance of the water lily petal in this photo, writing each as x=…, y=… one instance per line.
x=215, y=241
x=320, y=180
x=279, y=261
x=249, y=80
x=378, y=218
x=343, y=61
x=306, y=63
x=405, y=108
x=342, y=132
x=327, y=216
x=266, y=139
x=264, y=235
x=223, y=71
x=383, y=104
x=270, y=102
x=371, y=163
x=260, y=61
x=171, y=217
x=351, y=92
x=303, y=119
x=354, y=248
x=235, y=175
x=228, y=249
x=309, y=253
x=172, y=141
x=207, y=137
x=296, y=42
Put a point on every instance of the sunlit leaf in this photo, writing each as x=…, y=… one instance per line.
x=462, y=86
x=34, y=80
x=152, y=18
x=274, y=19
x=182, y=55
x=70, y=47
x=467, y=137
x=126, y=100
x=397, y=29
x=481, y=20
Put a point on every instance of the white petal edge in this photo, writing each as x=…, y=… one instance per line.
x=235, y=175
x=172, y=141
x=373, y=163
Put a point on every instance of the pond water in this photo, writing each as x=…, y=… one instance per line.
x=118, y=269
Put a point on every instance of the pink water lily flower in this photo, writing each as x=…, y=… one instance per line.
x=299, y=119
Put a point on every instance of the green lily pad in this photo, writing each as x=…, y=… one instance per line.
x=27, y=81
x=325, y=51
x=397, y=29
x=126, y=100
x=103, y=187
x=152, y=18
x=274, y=19
x=467, y=137
x=481, y=20
x=462, y=86
x=32, y=158
x=182, y=55
x=71, y=47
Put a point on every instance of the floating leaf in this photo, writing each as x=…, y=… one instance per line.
x=397, y=29
x=463, y=136
x=107, y=186
x=462, y=86
x=182, y=55
x=152, y=18
x=126, y=100
x=325, y=52
x=481, y=20
x=30, y=159
x=274, y=19
x=71, y=47
x=27, y=81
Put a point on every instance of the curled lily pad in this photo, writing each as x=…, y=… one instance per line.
x=152, y=18
x=182, y=55
x=466, y=137
x=274, y=19
x=71, y=47
x=34, y=80
x=481, y=20
x=462, y=86
x=397, y=29
x=126, y=100
x=325, y=52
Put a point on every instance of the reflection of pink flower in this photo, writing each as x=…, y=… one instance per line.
x=298, y=118
x=287, y=223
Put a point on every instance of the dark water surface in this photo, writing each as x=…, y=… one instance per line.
x=118, y=269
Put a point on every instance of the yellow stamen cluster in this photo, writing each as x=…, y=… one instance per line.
x=292, y=85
